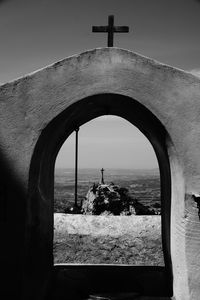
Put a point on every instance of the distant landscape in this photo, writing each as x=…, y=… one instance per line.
x=82, y=239
x=144, y=185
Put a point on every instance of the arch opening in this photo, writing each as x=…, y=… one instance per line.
x=116, y=219
x=41, y=187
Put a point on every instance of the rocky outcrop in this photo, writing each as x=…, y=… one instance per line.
x=112, y=199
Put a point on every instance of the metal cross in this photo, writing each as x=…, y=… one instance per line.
x=110, y=29
x=102, y=179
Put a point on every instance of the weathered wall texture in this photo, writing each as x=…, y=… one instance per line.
x=27, y=105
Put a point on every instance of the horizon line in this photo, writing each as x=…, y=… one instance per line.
x=115, y=168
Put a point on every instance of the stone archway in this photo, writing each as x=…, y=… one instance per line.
x=39, y=111
x=42, y=179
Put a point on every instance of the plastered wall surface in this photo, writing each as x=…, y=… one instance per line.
x=29, y=104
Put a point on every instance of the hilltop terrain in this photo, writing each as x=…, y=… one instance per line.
x=143, y=185
x=107, y=239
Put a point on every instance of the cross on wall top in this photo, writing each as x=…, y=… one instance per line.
x=110, y=29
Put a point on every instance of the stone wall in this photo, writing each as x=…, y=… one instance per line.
x=39, y=111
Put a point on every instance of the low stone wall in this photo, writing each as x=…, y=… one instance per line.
x=134, y=240
x=107, y=225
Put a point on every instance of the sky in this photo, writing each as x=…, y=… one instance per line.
x=108, y=142
x=37, y=33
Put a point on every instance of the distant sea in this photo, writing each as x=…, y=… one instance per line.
x=108, y=171
x=123, y=177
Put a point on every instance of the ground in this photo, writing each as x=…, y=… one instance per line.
x=133, y=240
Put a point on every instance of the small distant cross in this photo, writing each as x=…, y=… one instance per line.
x=102, y=179
x=110, y=29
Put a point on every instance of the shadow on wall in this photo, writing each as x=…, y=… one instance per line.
x=12, y=221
